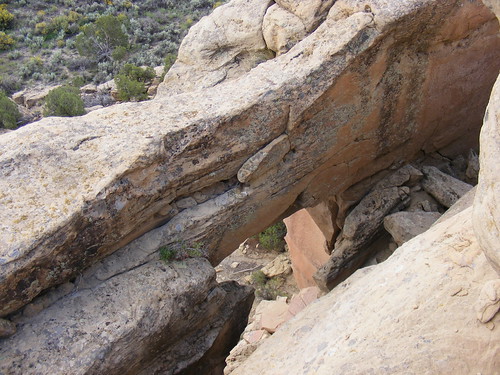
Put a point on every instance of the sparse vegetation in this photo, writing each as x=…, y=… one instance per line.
x=181, y=250
x=64, y=101
x=91, y=39
x=272, y=238
x=131, y=82
x=267, y=288
x=9, y=114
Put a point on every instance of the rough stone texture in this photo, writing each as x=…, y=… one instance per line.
x=488, y=302
x=281, y=265
x=403, y=226
x=154, y=318
x=361, y=226
x=446, y=189
x=413, y=314
x=282, y=29
x=359, y=95
x=307, y=244
x=7, y=328
x=311, y=12
x=487, y=199
x=223, y=45
x=264, y=159
x=273, y=314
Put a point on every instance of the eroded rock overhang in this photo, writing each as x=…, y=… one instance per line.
x=370, y=89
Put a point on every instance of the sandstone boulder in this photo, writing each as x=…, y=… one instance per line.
x=153, y=318
x=280, y=266
x=403, y=226
x=312, y=12
x=225, y=44
x=487, y=199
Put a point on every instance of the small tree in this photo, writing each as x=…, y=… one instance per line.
x=131, y=80
x=64, y=101
x=9, y=114
x=100, y=39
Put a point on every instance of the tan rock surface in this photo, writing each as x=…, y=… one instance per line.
x=225, y=44
x=342, y=97
x=413, y=314
x=487, y=199
x=311, y=12
x=282, y=29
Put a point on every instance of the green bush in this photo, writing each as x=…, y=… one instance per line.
x=64, y=101
x=9, y=114
x=130, y=82
x=167, y=254
x=6, y=18
x=273, y=237
x=6, y=41
x=98, y=40
x=180, y=250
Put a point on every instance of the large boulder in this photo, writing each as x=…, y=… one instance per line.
x=131, y=314
x=225, y=44
x=416, y=313
x=362, y=93
x=487, y=199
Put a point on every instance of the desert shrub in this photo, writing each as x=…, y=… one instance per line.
x=180, y=250
x=273, y=237
x=9, y=114
x=64, y=101
x=266, y=288
x=31, y=66
x=6, y=18
x=98, y=40
x=9, y=84
x=130, y=82
x=6, y=41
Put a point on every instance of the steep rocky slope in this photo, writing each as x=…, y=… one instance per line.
x=372, y=87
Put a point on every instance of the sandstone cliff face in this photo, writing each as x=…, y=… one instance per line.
x=359, y=95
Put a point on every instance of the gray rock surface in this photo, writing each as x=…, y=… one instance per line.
x=153, y=318
x=403, y=226
x=445, y=189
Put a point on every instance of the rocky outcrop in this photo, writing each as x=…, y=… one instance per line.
x=341, y=96
x=415, y=313
x=156, y=317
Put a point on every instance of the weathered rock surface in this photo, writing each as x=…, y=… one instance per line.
x=487, y=200
x=403, y=226
x=154, y=318
x=413, y=314
x=7, y=328
x=446, y=189
x=312, y=12
x=281, y=265
x=223, y=45
x=282, y=29
x=361, y=227
x=309, y=236
x=341, y=95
